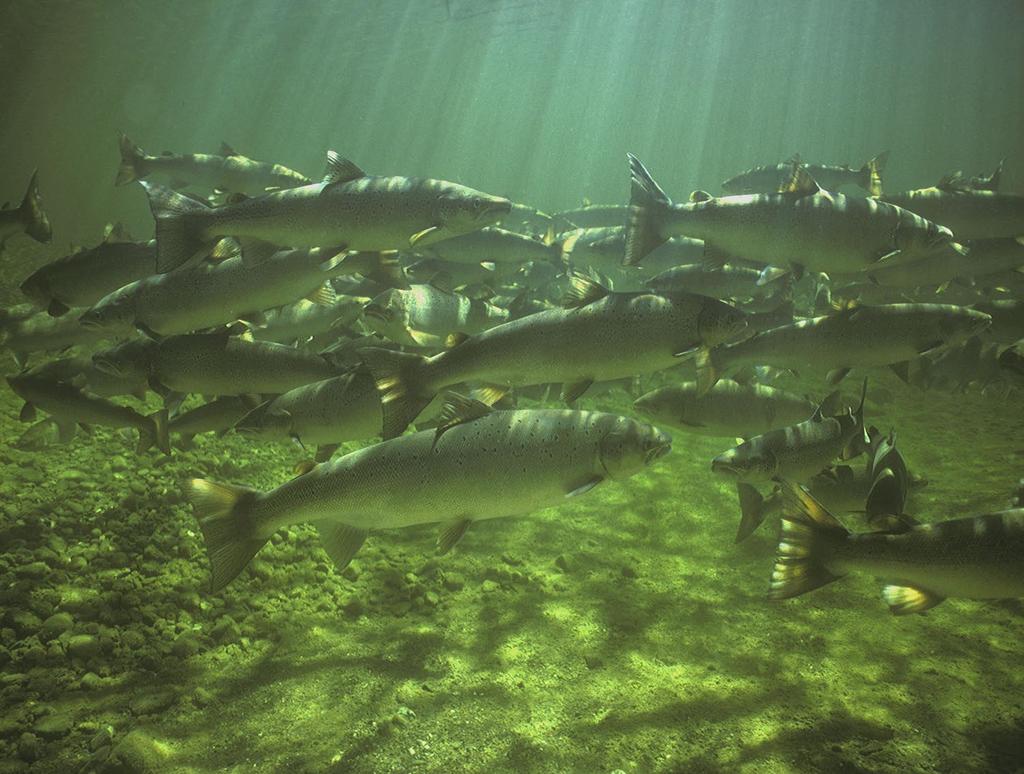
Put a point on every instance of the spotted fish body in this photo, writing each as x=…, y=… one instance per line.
x=86, y=276
x=495, y=245
x=39, y=332
x=228, y=171
x=216, y=364
x=504, y=463
x=805, y=226
x=331, y=411
x=728, y=410
x=305, y=321
x=349, y=209
x=211, y=295
x=406, y=315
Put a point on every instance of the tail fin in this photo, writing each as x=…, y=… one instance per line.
x=132, y=159
x=805, y=545
x=153, y=432
x=400, y=378
x=872, y=171
x=567, y=246
x=37, y=225
x=709, y=369
x=179, y=227
x=224, y=513
x=647, y=207
x=751, y=509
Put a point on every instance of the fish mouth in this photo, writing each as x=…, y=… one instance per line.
x=496, y=208
x=724, y=467
x=377, y=312
x=657, y=452
x=93, y=323
x=108, y=367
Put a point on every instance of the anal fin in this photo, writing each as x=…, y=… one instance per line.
x=451, y=533
x=340, y=541
x=903, y=600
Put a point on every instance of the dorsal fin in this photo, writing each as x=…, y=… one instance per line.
x=340, y=170
x=801, y=183
x=116, y=232
x=458, y=410
x=227, y=150
x=699, y=196
x=6, y=206
x=794, y=159
x=953, y=183
x=583, y=291
x=442, y=281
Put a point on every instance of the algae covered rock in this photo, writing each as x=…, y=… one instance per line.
x=139, y=753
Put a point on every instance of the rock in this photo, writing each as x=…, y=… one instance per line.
x=562, y=563
x=53, y=726
x=226, y=630
x=355, y=607
x=152, y=703
x=628, y=571
x=185, y=645
x=453, y=581
x=139, y=753
x=24, y=622
x=56, y=625
x=83, y=647
x=431, y=598
x=102, y=738
x=29, y=747
x=489, y=586
x=91, y=681
x=33, y=570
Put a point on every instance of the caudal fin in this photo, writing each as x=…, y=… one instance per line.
x=179, y=227
x=805, y=545
x=224, y=513
x=37, y=225
x=401, y=382
x=648, y=204
x=153, y=432
x=872, y=171
x=132, y=159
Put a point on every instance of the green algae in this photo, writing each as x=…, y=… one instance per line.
x=622, y=631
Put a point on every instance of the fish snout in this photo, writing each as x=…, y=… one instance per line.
x=659, y=446
x=726, y=464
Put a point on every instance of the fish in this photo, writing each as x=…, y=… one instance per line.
x=857, y=336
x=216, y=364
x=728, y=409
x=226, y=171
x=986, y=257
x=594, y=215
x=480, y=464
x=768, y=179
x=81, y=372
x=452, y=273
x=424, y=315
x=1007, y=319
x=85, y=276
x=794, y=453
x=70, y=407
x=801, y=227
x=721, y=281
x=22, y=334
x=27, y=218
x=596, y=335
x=216, y=416
x=324, y=414
x=979, y=557
x=601, y=249
x=307, y=323
x=493, y=245
x=971, y=213
x=211, y=295
x=348, y=209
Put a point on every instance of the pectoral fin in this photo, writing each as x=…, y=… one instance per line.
x=572, y=391
x=340, y=541
x=425, y=236
x=903, y=600
x=585, y=487
x=836, y=375
x=451, y=533
x=28, y=413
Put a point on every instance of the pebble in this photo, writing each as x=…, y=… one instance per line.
x=83, y=646
x=56, y=625
x=152, y=703
x=53, y=726
x=29, y=747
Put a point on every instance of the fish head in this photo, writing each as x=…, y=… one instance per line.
x=460, y=210
x=37, y=289
x=965, y=323
x=115, y=311
x=265, y=421
x=130, y=359
x=745, y=462
x=629, y=446
x=720, y=323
